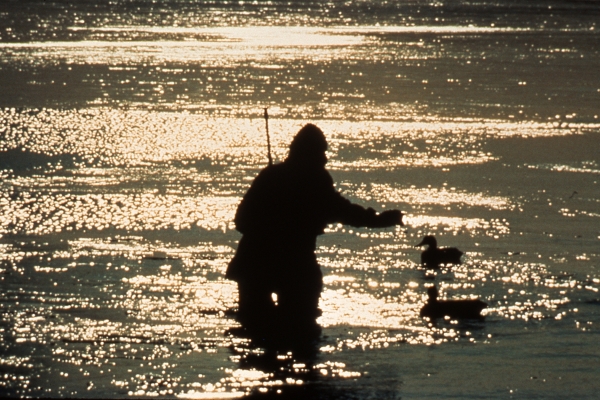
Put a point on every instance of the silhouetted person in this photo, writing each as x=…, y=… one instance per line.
x=287, y=206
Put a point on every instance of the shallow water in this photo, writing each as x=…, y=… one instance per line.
x=129, y=138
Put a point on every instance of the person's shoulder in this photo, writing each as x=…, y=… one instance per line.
x=326, y=176
x=273, y=169
x=271, y=172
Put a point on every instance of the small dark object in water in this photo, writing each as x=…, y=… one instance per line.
x=455, y=309
x=433, y=256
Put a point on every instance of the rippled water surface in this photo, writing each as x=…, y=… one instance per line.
x=129, y=131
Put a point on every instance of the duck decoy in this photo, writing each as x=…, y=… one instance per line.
x=433, y=257
x=455, y=309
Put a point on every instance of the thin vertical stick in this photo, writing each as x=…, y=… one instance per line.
x=268, y=137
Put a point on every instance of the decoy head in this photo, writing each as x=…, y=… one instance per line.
x=432, y=292
x=428, y=240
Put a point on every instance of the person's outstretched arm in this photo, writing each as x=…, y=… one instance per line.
x=343, y=211
x=353, y=214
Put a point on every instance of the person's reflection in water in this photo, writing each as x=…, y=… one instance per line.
x=287, y=206
x=292, y=376
x=296, y=374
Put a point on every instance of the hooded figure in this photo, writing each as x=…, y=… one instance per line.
x=287, y=206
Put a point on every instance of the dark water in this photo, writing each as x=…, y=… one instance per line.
x=130, y=130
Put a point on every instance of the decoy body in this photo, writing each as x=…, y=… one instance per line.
x=455, y=309
x=433, y=257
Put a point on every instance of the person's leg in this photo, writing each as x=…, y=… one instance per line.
x=256, y=307
x=298, y=299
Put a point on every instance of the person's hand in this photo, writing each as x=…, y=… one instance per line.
x=391, y=218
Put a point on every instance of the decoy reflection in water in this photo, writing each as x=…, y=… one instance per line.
x=433, y=257
x=455, y=309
